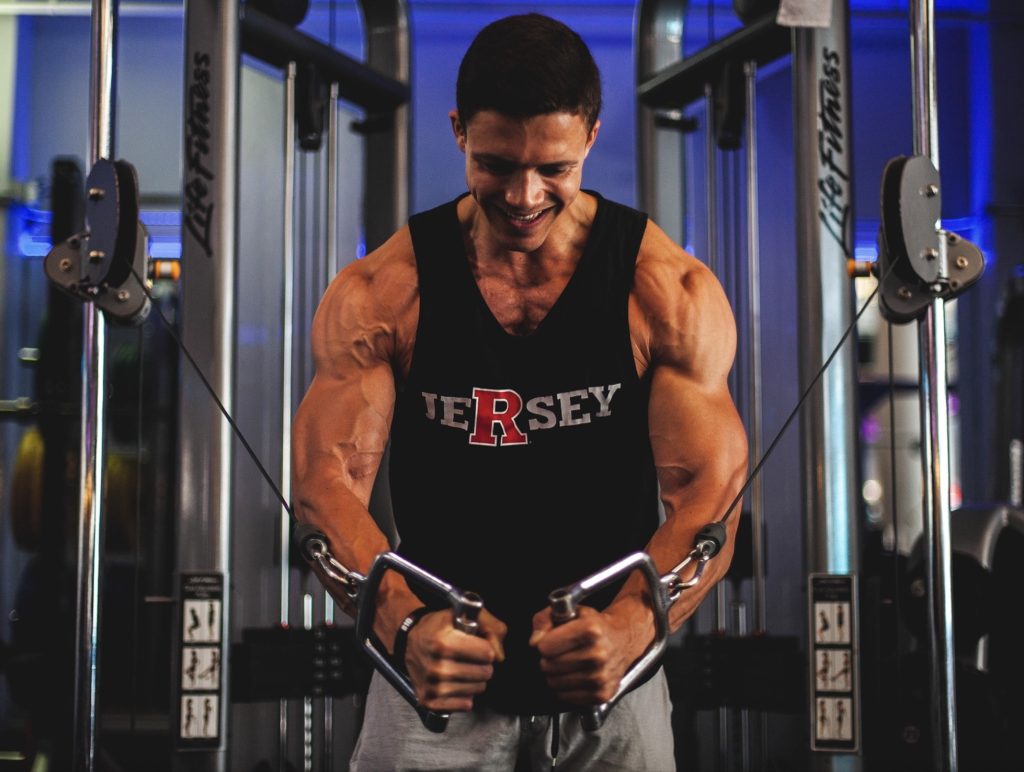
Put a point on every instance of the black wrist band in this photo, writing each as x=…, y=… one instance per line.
x=402, y=636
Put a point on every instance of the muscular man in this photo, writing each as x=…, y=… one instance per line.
x=545, y=363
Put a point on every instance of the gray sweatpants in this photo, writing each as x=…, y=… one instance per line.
x=636, y=737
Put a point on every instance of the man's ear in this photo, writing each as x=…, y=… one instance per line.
x=458, y=129
x=591, y=137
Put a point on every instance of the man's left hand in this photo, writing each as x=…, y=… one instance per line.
x=585, y=658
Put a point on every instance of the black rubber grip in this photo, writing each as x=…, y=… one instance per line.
x=303, y=534
x=714, y=533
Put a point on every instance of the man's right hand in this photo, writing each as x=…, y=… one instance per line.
x=447, y=667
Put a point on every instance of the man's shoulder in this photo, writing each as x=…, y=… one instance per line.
x=664, y=270
x=381, y=285
x=374, y=298
x=393, y=261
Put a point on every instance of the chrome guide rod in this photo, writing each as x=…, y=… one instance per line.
x=307, y=702
x=756, y=396
x=934, y=406
x=332, y=186
x=332, y=270
x=754, y=331
x=711, y=180
x=102, y=99
x=287, y=366
x=711, y=217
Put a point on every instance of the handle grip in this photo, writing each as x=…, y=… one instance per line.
x=466, y=605
x=564, y=603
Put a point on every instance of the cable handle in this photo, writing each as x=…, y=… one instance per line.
x=564, y=603
x=465, y=605
x=315, y=548
x=709, y=542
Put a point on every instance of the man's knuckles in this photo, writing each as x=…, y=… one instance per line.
x=444, y=671
x=457, y=645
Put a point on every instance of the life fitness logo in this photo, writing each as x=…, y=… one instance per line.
x=501, y=417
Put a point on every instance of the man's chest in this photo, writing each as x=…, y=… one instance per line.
x=519, y=308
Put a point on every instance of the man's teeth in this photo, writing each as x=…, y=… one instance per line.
x=524, y=217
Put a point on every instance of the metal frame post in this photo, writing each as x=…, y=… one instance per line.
x=659, y=28
x=824, y=182
x=934, y=408
x=208, y=319
x=386, y=172
x=386, y=184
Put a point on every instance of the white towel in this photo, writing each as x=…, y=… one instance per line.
x=805, y=13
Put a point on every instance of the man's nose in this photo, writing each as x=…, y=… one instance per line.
x=525, y=191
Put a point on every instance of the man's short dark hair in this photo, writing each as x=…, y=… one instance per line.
x=527, y=65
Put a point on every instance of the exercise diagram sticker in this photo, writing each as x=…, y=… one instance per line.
x=200, y=668
x=832, y=616
x=202, y=621
x=832, y=623
x=200, y=686
x=199, y=719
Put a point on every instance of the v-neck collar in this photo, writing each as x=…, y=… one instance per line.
x=563, y=298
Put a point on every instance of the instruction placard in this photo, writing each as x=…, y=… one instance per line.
x=200, y=684
x=834, y=662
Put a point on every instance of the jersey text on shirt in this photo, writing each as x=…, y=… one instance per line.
x=496, y=417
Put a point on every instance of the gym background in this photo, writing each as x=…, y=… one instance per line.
x=743, y=692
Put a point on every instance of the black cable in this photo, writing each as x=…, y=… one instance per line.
x=213, y=393
x=722, y=519
x=806, y=393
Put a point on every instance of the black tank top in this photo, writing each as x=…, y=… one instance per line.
x=520, y=464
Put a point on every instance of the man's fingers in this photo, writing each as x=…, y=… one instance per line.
x=447, y=704
x=493, y=630
x=577, y=634
x=448, y=667
x=449, y=696
x=461, y=647
x=588, y=687
x=443, y=670
x=449, y=685
x=541, y=625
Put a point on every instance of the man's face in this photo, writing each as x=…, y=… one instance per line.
x=523, y=172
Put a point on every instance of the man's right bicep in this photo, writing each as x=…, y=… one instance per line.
x=340, y=433
x=342, y=426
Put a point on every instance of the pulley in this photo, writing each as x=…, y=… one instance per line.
x=106, y=262
x=918, y=260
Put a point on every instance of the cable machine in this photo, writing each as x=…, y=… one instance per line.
x=106, y=267
x=914, y=289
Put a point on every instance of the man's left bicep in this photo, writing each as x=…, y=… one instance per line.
x=699, y=444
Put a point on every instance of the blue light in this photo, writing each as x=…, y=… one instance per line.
x=865, y=251
x=30, y=232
